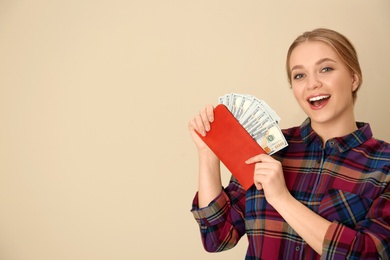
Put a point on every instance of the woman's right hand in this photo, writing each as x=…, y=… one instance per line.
x=210, y=183
x=201, y=124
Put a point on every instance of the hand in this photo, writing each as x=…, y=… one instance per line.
x=201, y=124
x=268, y=176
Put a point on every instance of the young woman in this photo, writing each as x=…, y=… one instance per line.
x=326, y=195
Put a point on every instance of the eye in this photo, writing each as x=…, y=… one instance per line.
x=298, y=76
x=326, y=69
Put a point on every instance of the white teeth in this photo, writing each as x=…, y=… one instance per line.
x=317, y=98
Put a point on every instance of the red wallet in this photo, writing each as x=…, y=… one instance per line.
x=233, y=145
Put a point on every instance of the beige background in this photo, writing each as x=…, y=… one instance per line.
x=95, y=158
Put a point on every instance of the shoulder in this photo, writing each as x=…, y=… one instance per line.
x=374, y=147
x=292, y=133
x=377, y=148
x=295, y=142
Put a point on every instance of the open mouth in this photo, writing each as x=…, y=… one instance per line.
x=318, y=100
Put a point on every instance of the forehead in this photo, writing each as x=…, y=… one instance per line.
x=310, y=52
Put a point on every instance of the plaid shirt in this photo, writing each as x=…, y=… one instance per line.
x=347, y=182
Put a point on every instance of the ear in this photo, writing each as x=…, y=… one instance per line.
x=355, y=82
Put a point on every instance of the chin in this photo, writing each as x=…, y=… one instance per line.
x=319, y=119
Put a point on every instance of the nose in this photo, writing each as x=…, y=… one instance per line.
x=314, y=82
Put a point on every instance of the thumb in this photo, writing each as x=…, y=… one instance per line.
x=254, y=159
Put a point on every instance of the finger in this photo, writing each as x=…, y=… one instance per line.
x=266, y=158
x=210, y=112
x=258, y=179
x=267, y=168
x=200, y=127
x=254, y=159
x=191, y=125
x=262, y=169
x=260, y=158
x=258, y=186
x=205, y=115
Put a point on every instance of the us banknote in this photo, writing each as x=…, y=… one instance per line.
x=258, y=119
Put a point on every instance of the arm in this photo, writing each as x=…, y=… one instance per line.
x=269, y=177
x=209, y=183
x=222, y=222
x=309, y=225
x=369, y=239
x=218, y=212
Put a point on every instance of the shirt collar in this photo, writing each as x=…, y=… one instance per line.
x=362, y=134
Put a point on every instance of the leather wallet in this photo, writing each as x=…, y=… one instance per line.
x=233, y=145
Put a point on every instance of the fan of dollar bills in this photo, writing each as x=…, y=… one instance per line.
x=258, y=119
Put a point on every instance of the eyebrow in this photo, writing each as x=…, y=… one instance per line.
x=317, y=63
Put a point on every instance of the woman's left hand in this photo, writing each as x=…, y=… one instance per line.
x=268, y=176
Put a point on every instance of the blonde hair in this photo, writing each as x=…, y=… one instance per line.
x=338, y=42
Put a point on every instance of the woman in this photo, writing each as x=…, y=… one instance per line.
x=326, y=195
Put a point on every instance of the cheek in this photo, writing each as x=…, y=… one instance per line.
x=298, y=93
x=344, y=87
x=299, y=97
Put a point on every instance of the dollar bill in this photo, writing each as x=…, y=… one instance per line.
x=271, y=139
x=258, y=119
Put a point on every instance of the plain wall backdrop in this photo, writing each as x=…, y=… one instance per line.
x=95, y=158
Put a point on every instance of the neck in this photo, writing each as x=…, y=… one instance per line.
x=331, y=130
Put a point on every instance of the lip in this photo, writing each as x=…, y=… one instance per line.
x=322, y=104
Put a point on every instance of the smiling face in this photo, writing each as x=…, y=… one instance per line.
x=323, y=85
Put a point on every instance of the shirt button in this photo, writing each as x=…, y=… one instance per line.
x=332, y=143
x=297, y=248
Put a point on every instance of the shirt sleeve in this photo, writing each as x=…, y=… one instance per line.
x=222, y=222
x=370, y=239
